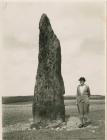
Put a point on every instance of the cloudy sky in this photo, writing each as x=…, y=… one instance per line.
x=80, y=27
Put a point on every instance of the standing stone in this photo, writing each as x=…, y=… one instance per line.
x=48, y=102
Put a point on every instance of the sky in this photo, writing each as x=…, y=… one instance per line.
x=80, y=27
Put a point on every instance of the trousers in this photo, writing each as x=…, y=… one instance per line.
x=83, y=108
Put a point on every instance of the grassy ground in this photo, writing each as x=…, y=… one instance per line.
x=20, y=113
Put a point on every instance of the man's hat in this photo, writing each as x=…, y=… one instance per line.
x=82, y=79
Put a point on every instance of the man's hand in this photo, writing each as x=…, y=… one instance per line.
x=76, y=102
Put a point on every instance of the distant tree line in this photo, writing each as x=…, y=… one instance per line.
x=16, y=99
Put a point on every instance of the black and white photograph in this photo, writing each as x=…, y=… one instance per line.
x=53, y=69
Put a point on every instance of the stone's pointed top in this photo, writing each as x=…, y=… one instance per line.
x=44, y=22
x=44, y=15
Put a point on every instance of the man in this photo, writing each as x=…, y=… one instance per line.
x=83, y=94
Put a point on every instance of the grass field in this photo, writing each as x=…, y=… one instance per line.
x=21, y=113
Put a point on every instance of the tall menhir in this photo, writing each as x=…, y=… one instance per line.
x=48, y=102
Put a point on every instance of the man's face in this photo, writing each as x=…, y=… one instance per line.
x=82, y=82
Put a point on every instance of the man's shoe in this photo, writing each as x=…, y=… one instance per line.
x=81, y=125
x=85, y=125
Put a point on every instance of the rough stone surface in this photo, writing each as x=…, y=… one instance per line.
x=48, y=103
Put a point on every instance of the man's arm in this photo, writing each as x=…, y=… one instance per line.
x=88, y=90
x=77, y=94
x=77, y=91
